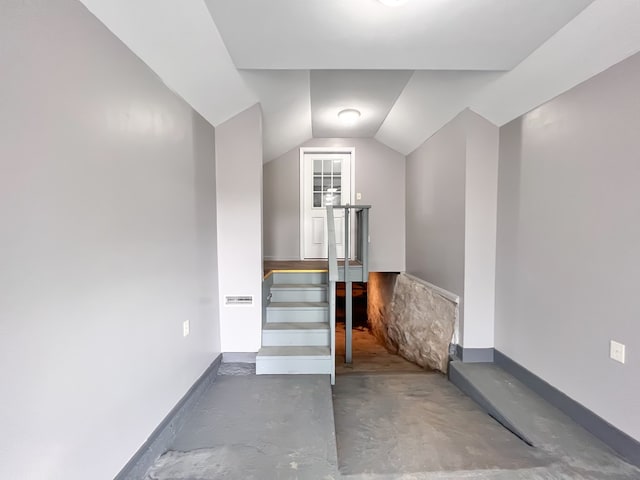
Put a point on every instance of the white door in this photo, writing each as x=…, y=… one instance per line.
x=326, y=180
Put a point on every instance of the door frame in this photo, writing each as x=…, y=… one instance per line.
x=352, y=153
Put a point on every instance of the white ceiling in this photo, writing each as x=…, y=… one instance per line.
x=602, y=35
x=430, y=99
x=408, y=69
x=286, y=108
x=365, y=34
x=180, y=42
x=372, y=93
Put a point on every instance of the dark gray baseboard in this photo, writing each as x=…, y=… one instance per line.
x=623, y=444
x=161, y=438
x=474, y=355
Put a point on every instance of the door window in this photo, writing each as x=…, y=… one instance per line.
x=327, y=182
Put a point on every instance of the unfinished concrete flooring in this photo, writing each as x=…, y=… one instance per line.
x=579, y=454
x=387, y=426
x=399, y=424
x=256, y=428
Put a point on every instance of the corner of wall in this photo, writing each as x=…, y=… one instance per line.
x=239, y=180
x=481, y=200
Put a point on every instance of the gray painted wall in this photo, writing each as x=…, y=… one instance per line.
x=569, y=243
x=281, y=201
x=380, y=177
x=435, y=203
x=108, y=242
x=481, y=204
x=451, y=219
x=239, y=201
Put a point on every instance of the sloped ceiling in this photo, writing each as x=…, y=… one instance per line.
x=429, y=100
x=372, y=92
x=286, y=108
x=181, y=44
x=365, y=34
x=408, y=69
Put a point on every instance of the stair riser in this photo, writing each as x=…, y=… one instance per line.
x=286, y=338
x=307, y=295
x=317, y=278
x=297, y=315
x=292, y=365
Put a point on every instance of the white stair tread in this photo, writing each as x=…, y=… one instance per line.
x=294, y=352
x=297, y=326
x=298, y=286
x=298, y=305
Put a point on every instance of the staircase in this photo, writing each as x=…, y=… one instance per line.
x=296, y=335
x=299, y=306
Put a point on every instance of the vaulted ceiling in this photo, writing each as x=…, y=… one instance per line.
x=408, y=69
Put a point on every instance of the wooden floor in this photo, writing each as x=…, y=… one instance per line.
x=306, y=265
x=369, y=356
x=272, y=265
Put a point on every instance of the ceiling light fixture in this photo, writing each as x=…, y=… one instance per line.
x=393, y=3
x=349, y=116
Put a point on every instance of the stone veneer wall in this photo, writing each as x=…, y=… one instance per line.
x=412, y=318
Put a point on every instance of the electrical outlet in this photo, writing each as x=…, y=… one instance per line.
x=185, y=328
x=617, y=351
x=358, y=196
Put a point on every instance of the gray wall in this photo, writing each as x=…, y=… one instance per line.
x=435, y=203
x=239, y=201
x=481, y=204
x=452, y=184
x=281, y=201
x=380, y=177
x=568, y=253
x=108, y=243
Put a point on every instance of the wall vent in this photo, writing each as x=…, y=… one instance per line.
x=238, y=300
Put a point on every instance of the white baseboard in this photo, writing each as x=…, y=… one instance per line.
x=239, y=357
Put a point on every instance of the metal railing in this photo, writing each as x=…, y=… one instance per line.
x=361, y=273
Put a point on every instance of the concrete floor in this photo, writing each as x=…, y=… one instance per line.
x=581, y=455
x=385, y=419
x=256, y=428
x=398, y=424
x=387, y=426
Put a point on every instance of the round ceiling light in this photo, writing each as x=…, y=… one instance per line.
x=349, y=116
x=393, y=3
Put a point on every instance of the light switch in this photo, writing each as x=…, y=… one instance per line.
x=617, y=351
x=358, y=196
